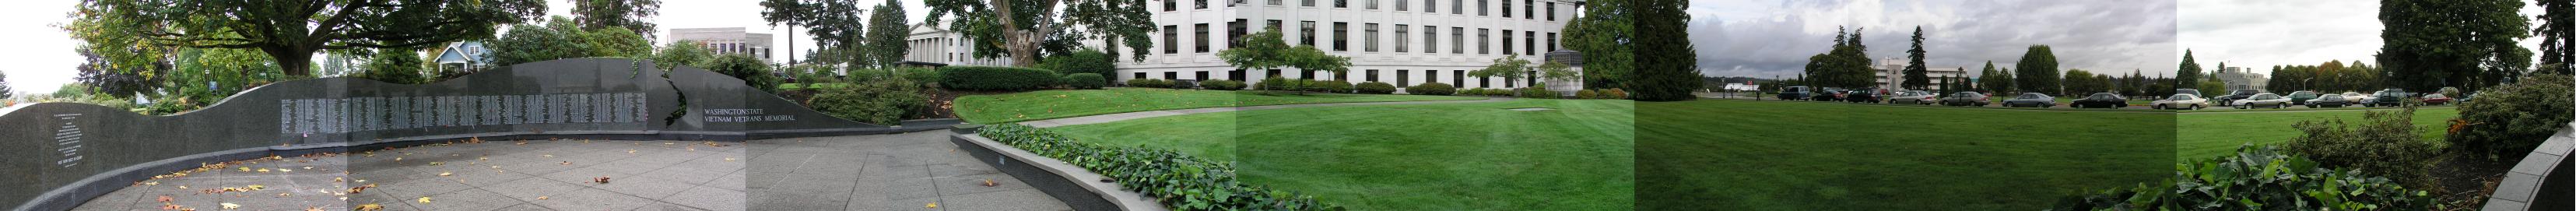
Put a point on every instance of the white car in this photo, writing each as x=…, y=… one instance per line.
x=2182, y=101
x=1917, y=97
x=2355, y=97
x=2265, y=100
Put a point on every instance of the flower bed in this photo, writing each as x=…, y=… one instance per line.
x=1178, y=181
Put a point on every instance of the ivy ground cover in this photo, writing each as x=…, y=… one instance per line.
x=1461, y=156
x=1050, y=104
x=1771, y=155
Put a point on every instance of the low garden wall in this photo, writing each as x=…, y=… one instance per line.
x=63, y=154
x=2544, y=180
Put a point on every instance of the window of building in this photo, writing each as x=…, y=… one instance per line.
x=1274, y=2
x=1372, y=4
x=1529, y=43
x=1403, y=78
x=1169, y=5
x=1400, y=5
x=1485, y=82
x=1507, y=8
x=1274, y=73
x=1305, y=74
x=1169, y=75
x=1234, y=34
x=1433, y=76
x=1308, y=3
x=1171, y=39
x=1430, y=6
x=1528, y=9
x=1551, y=11
x=1306, y=33
x=1430, y=39
x=1480, y=8
x=1202, y=76
x=1368, y=34
x=1341, y=36
x=1139, y=75
x=1507, y=42
x=1341, y=3
x=1484, y=41
x=1402, y=34
x=1236, y=75
x=1235, y=2
x=1274, y=27
x=1202, y=33
x=1202, y=4
x=1551, y=42
x=1458, y=78
x=1457, y=7
x=1458, y=40
x=1372, y=75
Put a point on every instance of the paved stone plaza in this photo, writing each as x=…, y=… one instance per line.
x=491, y=175
x=908, y=171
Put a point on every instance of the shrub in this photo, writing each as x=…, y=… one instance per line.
x=1084, y=81
x=919, y=76
x=1228, y=85
x=1181, y=182
x=2257, y=179
x=1329, y=86
x=1081, y=61
x=1374, y=87
x=995, y=78
x=1149, y=83
x=392, y=67
x=1272, y=83
x=1586, y=94
x=881, y=102
x=2386, y=144
x=1616, y=93
x=752, y=71
x=1432, y=89
x=2507, y=121
x=1534, y=93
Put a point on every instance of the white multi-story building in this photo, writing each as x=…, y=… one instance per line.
x=935, y=44
x=2238, y=79
x=1891, y=73
x=733, y=40
x=1400, y=42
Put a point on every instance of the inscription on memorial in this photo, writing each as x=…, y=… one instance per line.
x=743, y=115
x=308, y=116
x=67, y=140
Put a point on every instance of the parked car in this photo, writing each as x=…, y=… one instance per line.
x=1830, y=94
x=1796, y=93
x=2182, y=101
x=2354, y=97
x=2192, y=92
x=2263, y=100
x=2231, y=97
x=1917, y=97
x=2301, y=97
x=2101, y=100
x=2385, y=98
x=1965, y=99
x=2465, y=99
x=2436, y=99
x=2329, y=101
x=2035, y=100
x=1864, y=96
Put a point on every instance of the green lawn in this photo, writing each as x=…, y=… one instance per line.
x=1463, y=156
x=1771, y=155
x=1050, y=104
x=2205, y=135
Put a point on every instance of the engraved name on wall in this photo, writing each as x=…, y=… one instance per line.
x=342, y=115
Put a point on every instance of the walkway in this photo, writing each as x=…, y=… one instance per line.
x=1106, y=118
x=492, y=175
x=907, y=171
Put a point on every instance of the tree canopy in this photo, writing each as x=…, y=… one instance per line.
x=1024, y=30
x=1601, y=33
x=290, y=31
x=886, y=34
x=626, y=14
x=2431, y=44
x=2038, y=71
x=1915, y=77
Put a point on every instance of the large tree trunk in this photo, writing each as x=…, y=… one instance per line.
x=295, y=62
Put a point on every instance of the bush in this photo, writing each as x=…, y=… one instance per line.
x=2257, y=179
x=881, y=102
x=397, y=66
x=2386, y=144
x=1149, y=83
x=919, y=76
x=1329, y=86
x=752, y=71
x=1374, y=87
x=1228, y=85
x=1431, y=89
x=2507, y=121
x=1616, y=93
x=1081, y=61
x=1534, y=93
x=1084, y=81
x=1586, y=94
x=1180, y=181
x=995, y=78
x=1272, y=83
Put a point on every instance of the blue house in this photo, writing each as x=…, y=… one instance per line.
x=467, y=55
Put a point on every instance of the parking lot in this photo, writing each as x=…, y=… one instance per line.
x=2062, y=102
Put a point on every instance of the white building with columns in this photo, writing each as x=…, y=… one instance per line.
x=1400, y=42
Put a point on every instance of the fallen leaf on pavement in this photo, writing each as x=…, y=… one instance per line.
x=442, y=174
x=424, y=200
x=931, y=205
x=164, y=199
x=541, y=197
x=369, y=207
x=231, y=206
x=600, y=180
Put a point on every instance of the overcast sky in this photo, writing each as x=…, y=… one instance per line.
x=1764, y=38
x=41, y=59
x=2259, y=34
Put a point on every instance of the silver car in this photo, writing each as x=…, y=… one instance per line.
x=2264, y=100
x=2182, y=101
x=1917, y=97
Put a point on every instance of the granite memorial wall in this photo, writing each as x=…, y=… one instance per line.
x=65, y=153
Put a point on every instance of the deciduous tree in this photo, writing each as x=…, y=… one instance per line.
x=2038, y=68
x=2431, y=44
x=1022, y=29
x=625, y=14
x=290, y=31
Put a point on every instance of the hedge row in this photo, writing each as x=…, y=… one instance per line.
x=1084, y=81
x=2258, y=179
x=985, y=78
x=1178, y=181
x=1431, y=89
x=1228, y=85
x=1374, y=87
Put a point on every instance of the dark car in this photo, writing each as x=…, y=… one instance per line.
x=2390, y=97
x=1863, y=96
x=2301, y=97
x=2329, y=101
x=2035, y=100
x=2231, y=97
x=1796, y=93
x=1829, y=94
x=1965, y=99
x=2100, y=100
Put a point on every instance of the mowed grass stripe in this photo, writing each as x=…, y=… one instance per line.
x=1728, y=154
x=1464, y=156
x=1051, y=104
x=2208, y=135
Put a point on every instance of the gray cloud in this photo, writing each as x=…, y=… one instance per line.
x=1766, y=39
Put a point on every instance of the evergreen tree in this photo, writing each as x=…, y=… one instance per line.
x=2038, y=70
x=1668, y=74
x=887, y=33
x=2429, y=44
x=1914, y=72
x=2558, y=36
x=2189, y=74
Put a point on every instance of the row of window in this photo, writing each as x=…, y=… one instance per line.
x=1369, y=32
x=1456, y=7
x=1403, y=78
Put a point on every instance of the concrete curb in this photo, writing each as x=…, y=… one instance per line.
x=1077, y=187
